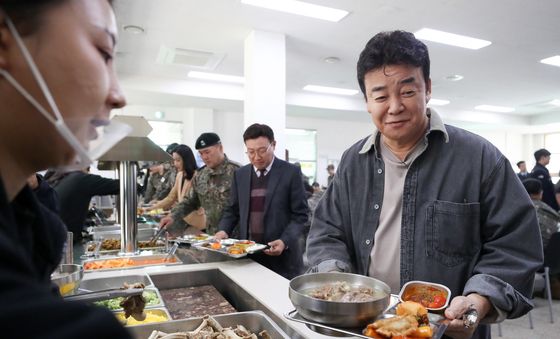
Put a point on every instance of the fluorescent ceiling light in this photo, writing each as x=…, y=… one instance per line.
x=499, y=109
x=451, y=39
x=554, y=61
x=555, y=102
x=438, y=102
x=216, y=77
x=330, y=90
x=300, y=8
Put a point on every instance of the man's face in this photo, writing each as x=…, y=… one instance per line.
x=260, y=151
x=546, y=160
x=523, y=167
x=397, y=96
x=212, y=156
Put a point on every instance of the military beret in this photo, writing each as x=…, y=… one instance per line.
x=207, y=140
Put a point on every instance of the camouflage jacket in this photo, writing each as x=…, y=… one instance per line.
x=548, y=220
x=159, y=186
x=210, y=189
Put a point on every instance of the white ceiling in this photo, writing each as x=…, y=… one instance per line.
x=507, y=73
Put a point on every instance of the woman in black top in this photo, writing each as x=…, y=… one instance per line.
x=57, y=85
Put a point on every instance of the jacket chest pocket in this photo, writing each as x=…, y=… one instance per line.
x=453, y=232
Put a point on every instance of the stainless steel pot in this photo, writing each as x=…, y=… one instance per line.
x=333, y=313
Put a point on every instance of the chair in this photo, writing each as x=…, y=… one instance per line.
x=544, y=275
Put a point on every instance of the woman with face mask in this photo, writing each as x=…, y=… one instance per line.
x=57, y=88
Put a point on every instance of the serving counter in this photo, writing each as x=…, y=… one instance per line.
x=246, y=285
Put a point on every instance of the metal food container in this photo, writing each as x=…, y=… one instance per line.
x=254, y=321
x=136, y=262
x=335, y=313
x=410, y=286
x=99, y=284
x=143, y=233
x=158, y=312
x=68, y=278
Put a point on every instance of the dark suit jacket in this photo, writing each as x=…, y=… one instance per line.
x=285, y=214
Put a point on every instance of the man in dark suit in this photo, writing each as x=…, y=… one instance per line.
x=268, y=202
x=542, y=157
x=523, y=174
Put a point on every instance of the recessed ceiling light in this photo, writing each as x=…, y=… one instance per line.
x=134, y=29
x=330, y=90
x=438, y=102
x=555, y=102
x=454, y=77
x=331, y=60
x=159, y=115
x=451, y=39
x=491, y=108
x=554, y=61
x=300, y=8
x=216, y=77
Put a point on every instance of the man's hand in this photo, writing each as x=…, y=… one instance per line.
x=165, y=221
x=33, y=182
x=458, y=306
x=220, y=235
x=276, y=248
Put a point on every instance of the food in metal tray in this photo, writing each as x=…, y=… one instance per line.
x=433, y=296
x=150, y=297
x=411, y=321
x=115, y=245
x=124, y=262
x=152, y=316
x=210, y=328
x=341, y=291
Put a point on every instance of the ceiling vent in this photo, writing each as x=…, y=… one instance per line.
x=188, y=57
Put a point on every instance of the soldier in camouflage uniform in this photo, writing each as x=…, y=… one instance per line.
x=162, y=179
x=210, y=186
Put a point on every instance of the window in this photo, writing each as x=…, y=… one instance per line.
x=302, y=145
x=165, y=133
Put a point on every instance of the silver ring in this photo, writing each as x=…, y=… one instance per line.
x=470, y=317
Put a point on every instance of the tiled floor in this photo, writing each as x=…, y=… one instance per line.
x=519, y=328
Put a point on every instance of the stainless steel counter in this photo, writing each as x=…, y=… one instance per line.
x=246, y=284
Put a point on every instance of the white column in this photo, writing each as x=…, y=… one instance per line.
x=265, y=84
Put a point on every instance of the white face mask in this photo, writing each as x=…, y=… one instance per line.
x=108, y=135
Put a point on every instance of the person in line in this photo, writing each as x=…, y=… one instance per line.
x=542, y=157
x=268, y=202
x=548, y=218
x=210, y=187
x=185, y=165
x=522, y=174
x=58, y=84
x=421, y=200
x=75, y=190
x=330, y=171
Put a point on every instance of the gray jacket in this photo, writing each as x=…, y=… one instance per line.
x=467, y=221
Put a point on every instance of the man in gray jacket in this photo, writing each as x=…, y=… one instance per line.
x=420, y=200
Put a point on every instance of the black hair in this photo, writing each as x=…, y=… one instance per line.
x=519, y=163
x=540, y=154
x=189, y=163
x=27, y=14
x=171, y=147
x=392, y=48
x=258, y=130
x=532, y=185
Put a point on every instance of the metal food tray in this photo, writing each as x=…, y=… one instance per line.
x=142, y=234
x=191, y=239
x=438, y=323
x=162, y=311
x=137, y=258
x=254, y=321
x=159, y=246
x=223, y=249
x=100, y=284
x=160, y=304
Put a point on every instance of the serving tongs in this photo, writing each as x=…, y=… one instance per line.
x=157, y=235
x=105, y=294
